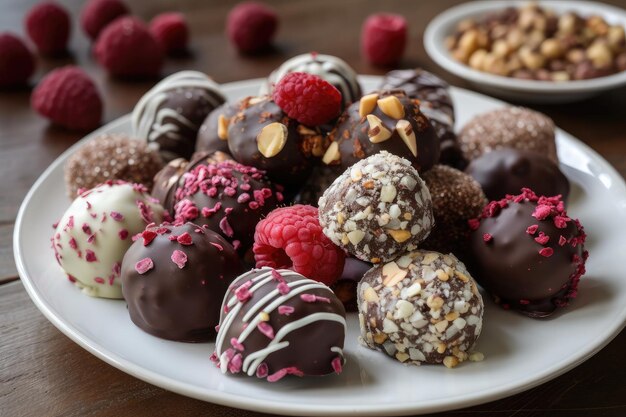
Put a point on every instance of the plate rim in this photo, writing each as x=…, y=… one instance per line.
x=287, y=408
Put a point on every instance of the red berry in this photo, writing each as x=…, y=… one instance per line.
x=307, y=98
x=171, y=31
x=251, y=26
x=291, y=237
x=17, y=63
x=383, y=39
x=97, y=14
x=48, y=26
x=69, y=98
x=126, y=48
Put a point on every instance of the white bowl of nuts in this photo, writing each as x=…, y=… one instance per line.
x=547, y=51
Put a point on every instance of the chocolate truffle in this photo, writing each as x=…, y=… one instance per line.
x=345, y=286
x=170, y=114
x=262, y=136
x=528, y=253
x=276, y=323
x=456, y=199
x=423, y=308
x=377, y=209
x=96, y=230
x=507, y=171
x=384, y=120
x=229, y=197
x=322, y=176
x=508, y=127
x=213, y=133
x=111, y=157
x=174, y=278
x=330, y=68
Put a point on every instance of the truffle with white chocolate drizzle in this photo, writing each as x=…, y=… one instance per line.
x=276, y=323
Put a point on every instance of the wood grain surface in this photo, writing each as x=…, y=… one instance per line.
x=43, y=373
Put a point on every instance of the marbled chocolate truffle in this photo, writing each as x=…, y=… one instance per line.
x=377, y=209
x=507, y=171
x=456, y=198
x=96, y=230
x=423, y=308
x=384, y=120
x=170, y=114
x=276, y=323
x=110, y=157
x=528, y=253
x=174, y=278
x=213, y=133
x=508, y=127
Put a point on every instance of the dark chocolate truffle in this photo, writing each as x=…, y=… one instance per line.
x=385, y=120
x=422, y=308
x=111, y=157
x=507, y=171
x=213, y=133
x=377, y=209
x=508, y=127
x=229, y=197
x=276, y=323
x=528, y=253
x=262, y=136
x=321, y=178
x=170, y=114
x=174, y=278
x=456, y=199
x=345, y=286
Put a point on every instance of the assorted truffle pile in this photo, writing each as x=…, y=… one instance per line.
x=369, y=212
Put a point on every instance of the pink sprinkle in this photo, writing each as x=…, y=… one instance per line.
x=542, y=239
x=213, y=358
x=266, y=329
x=473, y=224
x=73, y=243
x=70, y=222
x=185, y=239
x=283, y=288
x=172, y=238
x=547, y=252
x=99, y=280
x=91, y=238
x=225, y=227
x=253, y=205
x=118, y=217
x=162, y=231
x=279, y=197
x=524, y=302
x=276, y=276
x=261, y=370
x=234, y=366
x=243, y=293
x=217, y=246
x=71, y=278
x=322, y=299
x=117, y=268
x=280, y=374
x=542, y=211
x=531, y=230
x=308, y=298
x=148, y=236
x=243, y=198
x=337, y=364
x=123, y=234
x=90, y=256
x=562, y=240
x=561, y=222
x=236, y=244
x=86, y=229
x=179, y=258
x=245, y=186
x=88, y=205
x=235, y=343
x=230, y=191
x=144, y=266
x=228, y=210
x=111, y=279
x=487, y=237
x=286, y=310
x=145, y=211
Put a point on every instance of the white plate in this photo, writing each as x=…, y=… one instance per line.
x=526, y=90
x=520, y=352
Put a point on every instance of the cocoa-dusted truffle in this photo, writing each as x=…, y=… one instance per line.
x=174, y=278
x=508, y=127
x=423, y=308
x=377, y=209
x=345, y=286
x=229, y=197
x=456, y=199
x=276, y=323
x=384, y=120
x=170, y=114
x=96, y=230
x=213, y=133
x=507, y=171
x=262, y=136
x=528, y=253
x=111, y=157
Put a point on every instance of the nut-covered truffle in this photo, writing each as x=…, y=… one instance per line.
x=422, y=308
x=377, y=209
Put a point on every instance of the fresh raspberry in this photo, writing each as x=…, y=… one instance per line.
x=69, y=98
x=307, y=98
x=126, y=48
x=383, y=39
x=17, y=63
x=251, y=26
x=171, y=31
x=48, y=26
x=291, y=237
x=97, y=14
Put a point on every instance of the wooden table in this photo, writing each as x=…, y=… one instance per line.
x=42, y=372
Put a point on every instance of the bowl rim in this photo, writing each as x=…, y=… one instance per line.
x=443, y=24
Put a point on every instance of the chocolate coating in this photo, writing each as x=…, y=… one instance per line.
x=507, y=171
x=528, y=254
x=351, y=134
x=322, y=176
x=456, y=198
x=267, y=307
x=422, y=308
x=345, y=286
x=209, y=139
x=174, y=278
